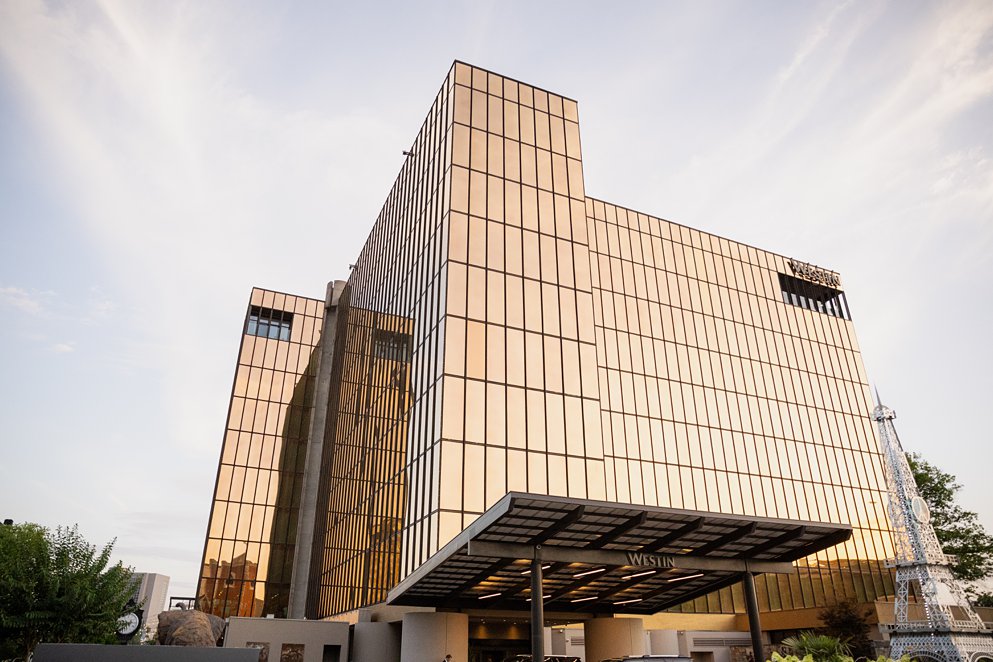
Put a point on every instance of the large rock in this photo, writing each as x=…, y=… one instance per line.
x=189, y=628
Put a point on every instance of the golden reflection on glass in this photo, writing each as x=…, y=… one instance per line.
x=496, y=353
x=533, y=361
x=589, y=350
x=455, y=350
x=515, y=357
x=738, y=444
x=249, y=542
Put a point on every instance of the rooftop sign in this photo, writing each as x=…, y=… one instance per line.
x=814, y=274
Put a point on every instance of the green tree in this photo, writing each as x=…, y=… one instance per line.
x=958, y=530
x=848, y=620
x=56, y=587
x=982, y=599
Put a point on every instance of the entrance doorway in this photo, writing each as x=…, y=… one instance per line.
x=496, y=650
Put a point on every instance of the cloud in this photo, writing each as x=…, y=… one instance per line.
x=28, y=302
x=98, y=307
x=46, y=313
x=190, y=181
x=181, y=142
x=812, y=42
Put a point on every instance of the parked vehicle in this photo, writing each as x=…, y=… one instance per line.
x=526, y=657
x=650, y=658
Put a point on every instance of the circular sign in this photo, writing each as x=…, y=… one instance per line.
x=128, y=624
x=921, y=512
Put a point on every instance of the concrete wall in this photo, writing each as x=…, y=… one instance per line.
x=663, y=642
x=575, y=642
x=114, y=653
x=430, y=637
x=300, y=578
x=718, y=644
x=613, y=637
x=376, y=642
x=315, y=636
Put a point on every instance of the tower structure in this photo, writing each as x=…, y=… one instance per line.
x=940, y=624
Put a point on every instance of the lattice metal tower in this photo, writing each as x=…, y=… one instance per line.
x=940, y=624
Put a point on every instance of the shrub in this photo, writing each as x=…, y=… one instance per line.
x=820, y=647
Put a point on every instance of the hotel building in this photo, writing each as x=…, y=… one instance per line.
x=509, y=351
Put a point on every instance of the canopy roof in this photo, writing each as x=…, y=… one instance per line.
x=605, y=557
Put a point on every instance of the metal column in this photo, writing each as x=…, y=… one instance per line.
x=752, y=606
x=537, y=609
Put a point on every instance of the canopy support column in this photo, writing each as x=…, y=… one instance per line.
x=754, y=625
x=537, y=608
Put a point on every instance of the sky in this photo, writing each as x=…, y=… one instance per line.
x=158, y=159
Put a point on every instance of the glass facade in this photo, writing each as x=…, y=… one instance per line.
x=502, y=331
x=381, y=439
x=252, y=528
x=719, y=395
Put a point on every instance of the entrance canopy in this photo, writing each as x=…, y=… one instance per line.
x=605, y=557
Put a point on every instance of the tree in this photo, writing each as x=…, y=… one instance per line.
x=958, y=530
x=848, y=620
x=56, y=587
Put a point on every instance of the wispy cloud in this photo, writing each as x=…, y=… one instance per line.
x=64, y=347
x=177, y=172
x=30, y=302
x=198, y=152
x=98, y=306
x=811, y=43
x=51, y=311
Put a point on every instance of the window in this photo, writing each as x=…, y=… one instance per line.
x=813, y=296
x=269, y=323
x=391, y=346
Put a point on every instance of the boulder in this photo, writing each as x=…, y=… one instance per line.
x=189, y=628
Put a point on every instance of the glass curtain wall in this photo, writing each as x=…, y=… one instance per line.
x=520, y=408
x=556, y=344
x=248, y=555
x=379, y=449
x=717, y=395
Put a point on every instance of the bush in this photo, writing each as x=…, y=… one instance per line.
x=776, y=657
x=820, y=647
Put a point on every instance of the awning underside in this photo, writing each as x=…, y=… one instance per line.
x=605, y=557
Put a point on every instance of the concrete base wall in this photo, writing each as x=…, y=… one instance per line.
x=663, y=642
x=613, y=637
x=376, y=642
x=114, y=653
x=433, y=636
x=714, y=646
x=314, y=636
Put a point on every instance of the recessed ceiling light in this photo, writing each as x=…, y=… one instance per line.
x=679, y=579
x=588, y=572
x=627, y=602
x=544, y=567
